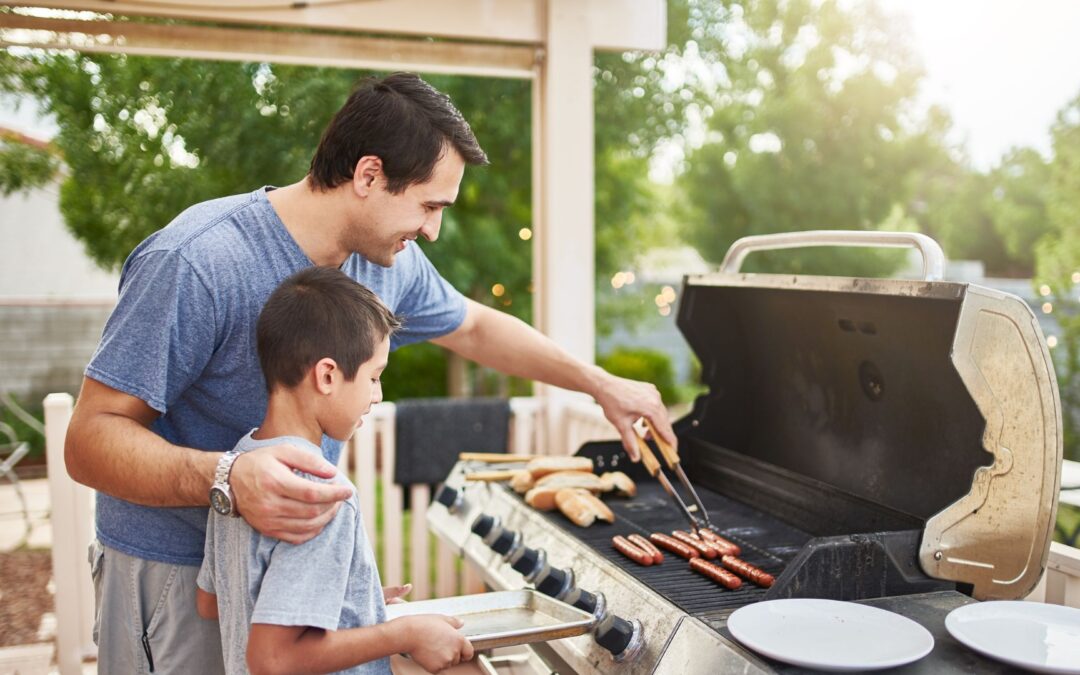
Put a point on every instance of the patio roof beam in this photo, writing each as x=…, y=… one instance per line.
x=243, y=44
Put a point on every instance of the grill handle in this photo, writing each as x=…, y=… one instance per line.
x=932, y=255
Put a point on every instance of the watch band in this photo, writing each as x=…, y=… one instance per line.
x=221, y=494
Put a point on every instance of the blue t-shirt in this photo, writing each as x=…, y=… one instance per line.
x=182, y=339
x=329, y=582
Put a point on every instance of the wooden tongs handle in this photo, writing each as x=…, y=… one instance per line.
x=647, y=457
x=671, y=455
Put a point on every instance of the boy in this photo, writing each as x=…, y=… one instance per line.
x=318, y=607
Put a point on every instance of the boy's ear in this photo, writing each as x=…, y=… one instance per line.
x=326, y=372
x=368, y=170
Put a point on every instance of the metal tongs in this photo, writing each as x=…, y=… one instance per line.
x=671, y=458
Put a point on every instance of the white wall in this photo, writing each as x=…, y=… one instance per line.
x=40, y=259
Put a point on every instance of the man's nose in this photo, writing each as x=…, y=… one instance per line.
x=431, y=227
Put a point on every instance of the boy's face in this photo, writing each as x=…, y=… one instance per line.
x=353, y=400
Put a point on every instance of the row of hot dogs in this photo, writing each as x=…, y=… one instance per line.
x=700, y=551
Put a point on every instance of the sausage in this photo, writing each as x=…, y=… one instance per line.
x=673, y=545
x=630, y=551
x=716, y=573
x=726, y=546
x=748, y=571
x=706, y=550
x=647, y=546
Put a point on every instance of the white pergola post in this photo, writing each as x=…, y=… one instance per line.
x=563, y=197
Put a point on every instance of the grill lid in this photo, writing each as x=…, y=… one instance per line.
x=932, y=399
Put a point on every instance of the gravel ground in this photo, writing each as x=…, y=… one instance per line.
x=24, y=595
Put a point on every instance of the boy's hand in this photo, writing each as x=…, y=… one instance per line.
x=436, y=642
x=393, y=595
x=277, y=502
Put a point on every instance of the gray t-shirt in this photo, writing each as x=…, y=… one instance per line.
x=182, y=339
x=329, y=582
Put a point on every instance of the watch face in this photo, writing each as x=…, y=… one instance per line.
x=220, y=501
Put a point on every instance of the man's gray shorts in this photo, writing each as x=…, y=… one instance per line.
x=145, y=612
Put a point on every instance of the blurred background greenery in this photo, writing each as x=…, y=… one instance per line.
x=790, y=115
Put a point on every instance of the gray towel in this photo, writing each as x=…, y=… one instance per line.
x=432, y=431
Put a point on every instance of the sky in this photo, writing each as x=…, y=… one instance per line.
x=1003, y=68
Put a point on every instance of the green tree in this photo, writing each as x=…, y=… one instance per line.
x=809, y=128
x=1058, y=264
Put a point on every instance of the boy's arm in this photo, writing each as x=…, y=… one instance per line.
x=432, y=641
x=206, y=604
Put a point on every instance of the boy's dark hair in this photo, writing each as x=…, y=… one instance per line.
x=316, y=313
x=400, y=119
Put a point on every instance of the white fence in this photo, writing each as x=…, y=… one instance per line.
x=404, y=544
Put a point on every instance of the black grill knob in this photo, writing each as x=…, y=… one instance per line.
x=553, y=582
x=586, y=601
x=483, y=525
x=504, y=543
x=526, y=564
x=449, y=497
x=616, y=635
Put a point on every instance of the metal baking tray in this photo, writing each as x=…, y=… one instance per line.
x=504, y=618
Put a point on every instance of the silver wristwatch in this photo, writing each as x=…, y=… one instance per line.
x=221, y=494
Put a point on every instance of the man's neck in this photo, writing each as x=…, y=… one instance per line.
x=315, y=219
x=287, y=414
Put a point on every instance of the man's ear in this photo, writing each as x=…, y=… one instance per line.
x=325, y=372
x=367, y=172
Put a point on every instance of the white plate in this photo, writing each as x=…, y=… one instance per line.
x=1033, y=635
x=829, y=634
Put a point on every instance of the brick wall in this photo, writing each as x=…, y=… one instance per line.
x=44, y=346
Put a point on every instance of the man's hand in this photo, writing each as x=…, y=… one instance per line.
x=624, y=401
x=436, y=642
x=393, y=595
x=277, y=502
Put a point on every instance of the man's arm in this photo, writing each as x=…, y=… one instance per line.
x=432, y=640
x=501, y=341
x=111, y=448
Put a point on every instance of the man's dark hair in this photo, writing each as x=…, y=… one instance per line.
x=403, y=121
x=316, y=313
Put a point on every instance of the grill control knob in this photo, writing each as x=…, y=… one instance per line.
x=586, y=601
x=504, y=543
x=556, y=583
x=527, y=563
x=620, y=637
x=451, y=498
x=483, y=525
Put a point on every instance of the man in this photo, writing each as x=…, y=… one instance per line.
x=175, y=380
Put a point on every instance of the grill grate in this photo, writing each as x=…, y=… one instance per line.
x=766, y=542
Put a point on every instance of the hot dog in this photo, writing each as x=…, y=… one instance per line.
x=716, y=573
x=748, y=571
x=706, y=550
x=647, y=546
x=726, y=547
x=673, y=545
x=630, y=551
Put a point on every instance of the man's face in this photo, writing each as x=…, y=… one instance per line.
x=390, y=221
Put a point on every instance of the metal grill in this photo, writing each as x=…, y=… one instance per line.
x=766, y=542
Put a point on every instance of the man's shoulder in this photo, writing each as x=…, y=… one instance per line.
x=204, y=226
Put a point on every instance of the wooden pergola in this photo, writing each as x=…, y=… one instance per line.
x=550, y=42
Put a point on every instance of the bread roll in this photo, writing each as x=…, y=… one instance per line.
x=521, y=481
x=542, y=466
x=618, y=482
x=571, y=479
x=541, y=498
x=581, y=507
